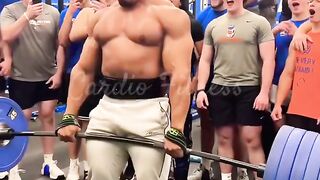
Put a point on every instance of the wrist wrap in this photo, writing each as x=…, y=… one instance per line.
x=178, y=138
x=67, y=120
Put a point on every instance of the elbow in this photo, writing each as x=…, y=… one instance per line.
x=181, y=82
x=64, y=42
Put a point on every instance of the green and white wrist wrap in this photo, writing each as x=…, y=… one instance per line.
x=177, y=137
x=67, y=120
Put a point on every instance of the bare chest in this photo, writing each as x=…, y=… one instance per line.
x=139, y=27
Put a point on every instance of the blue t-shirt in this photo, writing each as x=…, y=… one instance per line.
x=282, y=44
x=207, y=15
x=75, y=48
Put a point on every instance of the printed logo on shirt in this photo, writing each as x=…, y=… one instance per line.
x=39, y=22
x=231, y=31
x=283, y=33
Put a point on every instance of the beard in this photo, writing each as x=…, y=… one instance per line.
x=127, y=3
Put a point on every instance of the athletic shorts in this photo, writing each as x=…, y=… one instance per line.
x=234, y=105
x=91, y=101
x=303, y=122
x=27, y=94
x=2, y=83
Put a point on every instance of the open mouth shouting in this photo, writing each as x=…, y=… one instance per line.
x=230, y=2
x=295, y=4
x=311, y=10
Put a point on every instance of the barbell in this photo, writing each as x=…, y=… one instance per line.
x=294, y=153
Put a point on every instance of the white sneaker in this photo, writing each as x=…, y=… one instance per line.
x=52, y=171
x=4, y=175
x=73, y=173
x=201, y=174
x=14, y=174
x=196, y=174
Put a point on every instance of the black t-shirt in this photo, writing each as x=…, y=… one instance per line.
x=197, y=35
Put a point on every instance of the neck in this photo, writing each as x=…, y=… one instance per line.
x=237, y=13
x=316, y=27
x=300, y=16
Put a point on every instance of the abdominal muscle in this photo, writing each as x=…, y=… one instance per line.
x=123, y=58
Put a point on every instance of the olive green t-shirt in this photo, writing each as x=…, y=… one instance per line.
x=236, y=42
x=34, y=51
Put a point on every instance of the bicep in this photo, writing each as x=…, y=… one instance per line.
x=89, y=55
x=79, y=28
x=290, y=62
x=207, y=53
x=267, y=49
x=177, y=53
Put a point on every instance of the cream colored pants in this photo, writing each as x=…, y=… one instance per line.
x=146, y=118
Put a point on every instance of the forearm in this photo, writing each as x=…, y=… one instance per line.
x=80, y=81
x=267, y=75
x=275, y=31
x=65, y=31
x=283, y=88
x=179, y=100
x=7, y=52
x=203, y=74
x=13, y=31
x=305, y=28
x=60, y=60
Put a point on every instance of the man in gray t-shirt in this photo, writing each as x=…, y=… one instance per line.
x=31, y=30
x=241, y=45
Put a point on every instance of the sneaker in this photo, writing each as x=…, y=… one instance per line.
x=201, y=174
x=243, y=175
x=14, y=174
x=4, y=175
x=73, y=173
x=52, y=171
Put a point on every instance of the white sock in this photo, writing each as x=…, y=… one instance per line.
x=226, y=176
x=206, y=164
x=48, y=158
x=86, y=166
x=74, y=162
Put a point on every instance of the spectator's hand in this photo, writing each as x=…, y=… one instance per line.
x=173, y=149
x=68, y=133
x=202, y=100
x=33, y=10
x=55, y=81
x=284, y=26
x=276, y=113
x=97, y=5
x=292, y=28
x=262, y=102
x=5, y=68
x=318, y=121
x=300, y=41
x=73, y=6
